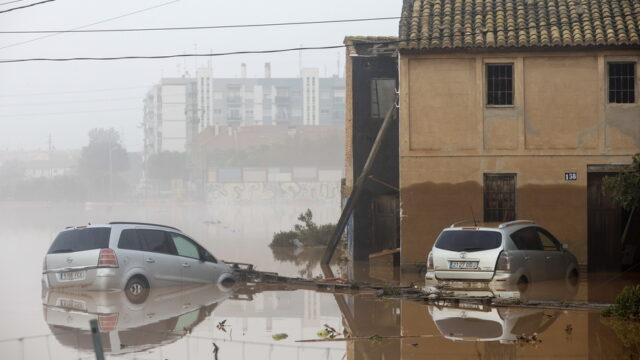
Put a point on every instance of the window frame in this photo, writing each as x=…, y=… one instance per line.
x=485, y=176
x=201, y=250
x=635, y=82
x=486, y=83
x=550, y=236
x=145, y=247
x=381, y=112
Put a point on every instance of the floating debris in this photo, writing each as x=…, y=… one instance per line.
x=221, y=326
x=278, y=337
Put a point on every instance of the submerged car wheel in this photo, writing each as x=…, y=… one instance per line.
x=137, y=289
x=523, y=284
x=573, y=278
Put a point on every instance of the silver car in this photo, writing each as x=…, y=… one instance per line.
x=498, y=257
x=129, y=256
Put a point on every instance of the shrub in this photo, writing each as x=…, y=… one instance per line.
x=627, y=304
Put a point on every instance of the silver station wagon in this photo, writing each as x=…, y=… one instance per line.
x=129, y=256
x=498, y=257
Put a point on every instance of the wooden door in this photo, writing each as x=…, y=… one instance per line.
x=499, y=197
x=604, y=226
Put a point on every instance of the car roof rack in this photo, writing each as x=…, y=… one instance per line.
x=462, y=222
x=515, y=222
x=141, y=223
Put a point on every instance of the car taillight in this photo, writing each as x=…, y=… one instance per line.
x=503, y=263
x=107, y=322
x=107, y=258
x=430, y=262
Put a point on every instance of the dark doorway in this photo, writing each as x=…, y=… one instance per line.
x=499, y=197
x=386, y=230
x=605, y=221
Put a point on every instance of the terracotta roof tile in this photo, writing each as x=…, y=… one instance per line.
x=433, y=24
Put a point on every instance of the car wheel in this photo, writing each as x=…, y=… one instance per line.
x=137, y=289
x=573, y=277
x=523, y=284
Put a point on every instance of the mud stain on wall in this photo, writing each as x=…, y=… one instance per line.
x=562, y=209
x=429, y=207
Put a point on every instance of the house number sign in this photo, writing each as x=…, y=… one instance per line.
x=570, y=176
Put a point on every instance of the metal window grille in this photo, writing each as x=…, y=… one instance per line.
x=499, y=197
x=500, y=84
x=622, y=78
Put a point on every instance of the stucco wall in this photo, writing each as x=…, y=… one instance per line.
x=560, y=122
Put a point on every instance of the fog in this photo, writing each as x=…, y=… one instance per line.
x=67, y=99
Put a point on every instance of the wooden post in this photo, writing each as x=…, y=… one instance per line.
x=359, y=185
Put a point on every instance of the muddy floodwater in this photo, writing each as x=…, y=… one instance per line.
x=208, y=322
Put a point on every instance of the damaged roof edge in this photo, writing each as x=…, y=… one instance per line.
x=371, y=45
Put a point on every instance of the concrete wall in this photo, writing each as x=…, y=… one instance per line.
x=560, y=122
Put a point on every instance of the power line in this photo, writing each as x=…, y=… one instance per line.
x=245, y=52
x=87, y=25
x=10, y=2
x=75, y=91
x=175, y=55
x=70, y=102
x=26, y=6
x=207, y=27
x=72, y=112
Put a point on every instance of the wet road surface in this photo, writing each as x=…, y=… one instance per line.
x=192, y=322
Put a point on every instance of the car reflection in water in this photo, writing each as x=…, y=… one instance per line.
x=165, y=316
x=475, y=322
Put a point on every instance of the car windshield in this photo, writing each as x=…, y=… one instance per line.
x=80, y=240
x=466, y=240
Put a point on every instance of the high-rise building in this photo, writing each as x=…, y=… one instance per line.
x=177, y=109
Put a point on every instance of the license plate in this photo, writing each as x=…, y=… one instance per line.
x=73, y=275
x=463, y=264
x=72, y=304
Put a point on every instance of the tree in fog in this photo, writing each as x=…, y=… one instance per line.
x=12, y=171
x=102, y=162
x=166, y=166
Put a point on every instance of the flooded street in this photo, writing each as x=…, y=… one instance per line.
x=208, y=322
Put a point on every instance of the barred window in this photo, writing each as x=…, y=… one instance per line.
x=499, y=84
x=622, y=81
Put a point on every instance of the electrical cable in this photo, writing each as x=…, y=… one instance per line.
x=25, y=6
x=71, y=112
x=244, y=52
x=206, y=27
x=71, y=102
x=87, y=25
x=234, y=26
x=74, y=91
x=10, y=2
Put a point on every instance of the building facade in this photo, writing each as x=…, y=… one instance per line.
x=371, y=81
x=516, y=110
x=177, y=109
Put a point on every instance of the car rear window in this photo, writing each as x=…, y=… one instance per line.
x=468, y=240
x=80, y=240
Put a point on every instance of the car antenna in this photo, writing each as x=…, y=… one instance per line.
x=475, y=223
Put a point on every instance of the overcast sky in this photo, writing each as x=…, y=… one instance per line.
x=67, y=99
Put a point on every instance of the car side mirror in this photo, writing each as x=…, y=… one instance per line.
x=565, y=246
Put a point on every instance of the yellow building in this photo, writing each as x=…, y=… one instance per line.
x=516, y=109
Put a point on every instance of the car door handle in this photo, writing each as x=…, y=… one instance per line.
x=548, y=258
x=149, y=260
x=526, y=258
x=186, y=265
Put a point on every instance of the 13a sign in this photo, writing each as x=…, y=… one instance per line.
x=570, y=176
